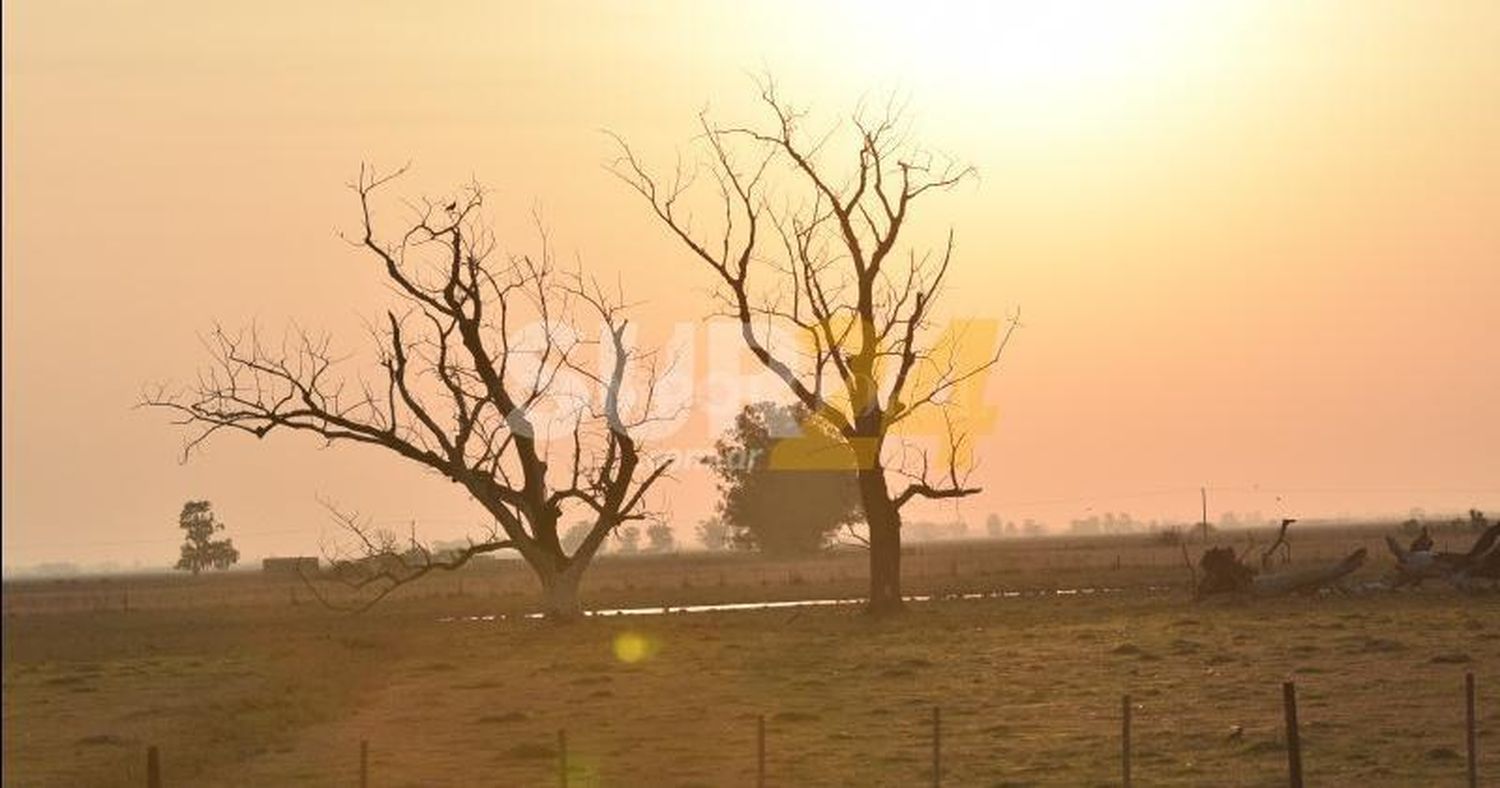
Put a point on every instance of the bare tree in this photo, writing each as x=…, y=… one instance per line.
x=809, y=258
x=479, y=374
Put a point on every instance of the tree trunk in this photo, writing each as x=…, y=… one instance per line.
x=560, y=591
x=884, y=521
x=559, y=576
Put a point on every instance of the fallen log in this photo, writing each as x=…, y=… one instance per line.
x=1308, y=579
x=1462, y=570
x=1225, y=573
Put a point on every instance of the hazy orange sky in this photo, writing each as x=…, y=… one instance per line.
x=1256, y=244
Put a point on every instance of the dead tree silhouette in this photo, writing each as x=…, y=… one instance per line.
x=1281, y=542
x=803, y=248
x=463, y=388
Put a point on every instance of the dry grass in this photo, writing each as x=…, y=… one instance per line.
x=280, y=694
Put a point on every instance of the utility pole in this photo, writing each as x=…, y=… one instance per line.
x=1203, y=495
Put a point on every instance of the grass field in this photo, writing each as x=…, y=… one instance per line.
x=238, y=686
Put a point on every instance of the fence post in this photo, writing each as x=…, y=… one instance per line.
x=937, y=747
x=760, y=751
x=364, y=763
x=562, y=758
x=1471, y=737
x=1125, y=739
x=153, y=768
x=1293, y=739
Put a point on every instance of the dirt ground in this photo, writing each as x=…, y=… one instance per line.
x=1029, y=689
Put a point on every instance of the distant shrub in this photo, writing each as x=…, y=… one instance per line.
x=1170, y=536
x=787, y=479
x=629, y=539
x=200, y=550
x=659, y=538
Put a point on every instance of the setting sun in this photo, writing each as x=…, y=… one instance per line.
x=1054, y=64
x=1081, y=52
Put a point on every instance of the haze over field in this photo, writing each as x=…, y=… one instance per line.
x=1256, y=245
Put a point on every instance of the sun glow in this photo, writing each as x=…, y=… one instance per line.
x=1064, y=60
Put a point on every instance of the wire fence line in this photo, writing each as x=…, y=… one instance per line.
x=569, y=773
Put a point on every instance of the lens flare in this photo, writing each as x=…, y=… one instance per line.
x=634, y=647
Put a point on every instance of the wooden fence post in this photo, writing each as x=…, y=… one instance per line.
x=1293, y=738
x=937, y=747
x=1470, y=733
x=364, y=763
x=760, y=751
x=153, y=768
x=562, y=758
x=1125, y=739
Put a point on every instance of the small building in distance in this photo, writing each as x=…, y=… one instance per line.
x=292, y=567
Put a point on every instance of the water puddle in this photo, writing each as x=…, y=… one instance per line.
x=662, y=610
